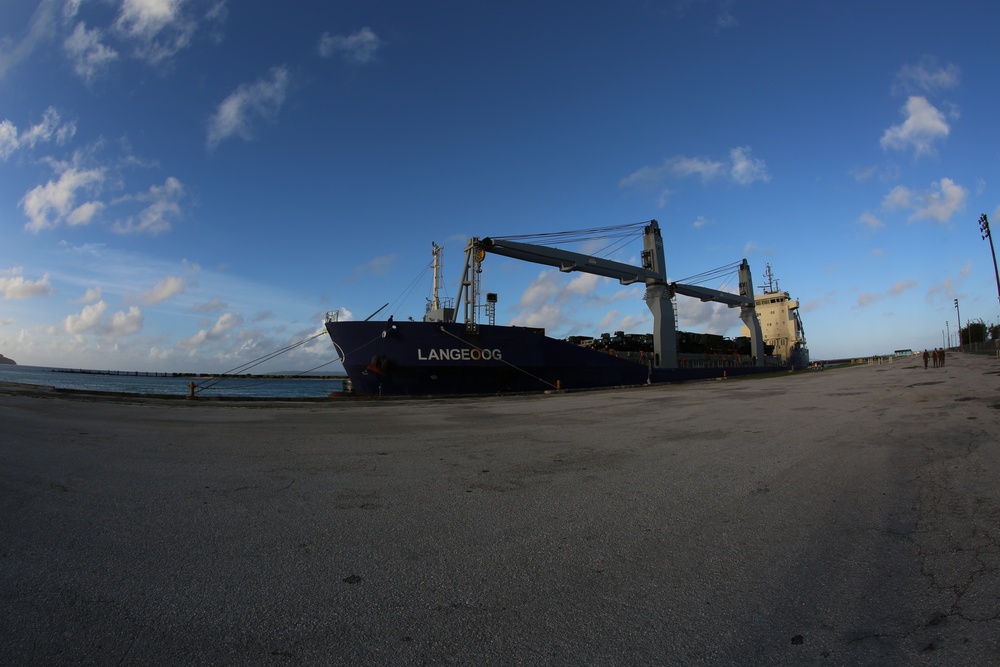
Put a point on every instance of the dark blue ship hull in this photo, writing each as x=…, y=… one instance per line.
x=435, y=359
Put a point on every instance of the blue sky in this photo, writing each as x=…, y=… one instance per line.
x=187, y=185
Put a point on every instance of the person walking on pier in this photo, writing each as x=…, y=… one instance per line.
x=925, y=358
x=941, y=358
x=935, y=357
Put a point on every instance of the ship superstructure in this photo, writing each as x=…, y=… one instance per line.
x=780, y=323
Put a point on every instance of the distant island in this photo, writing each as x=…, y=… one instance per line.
x=5, y=360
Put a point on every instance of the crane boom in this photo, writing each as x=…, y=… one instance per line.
x=659, y=293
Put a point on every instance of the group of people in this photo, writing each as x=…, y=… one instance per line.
x=938, y=356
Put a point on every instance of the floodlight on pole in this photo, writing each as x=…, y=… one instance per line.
x=960, y=327
x=984, y=227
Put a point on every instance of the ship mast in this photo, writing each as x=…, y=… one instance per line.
x=436, y=265
x=772, y=285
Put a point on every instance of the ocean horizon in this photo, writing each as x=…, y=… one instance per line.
x=207, y=385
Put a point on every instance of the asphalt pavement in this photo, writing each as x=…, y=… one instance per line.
x=841, y=517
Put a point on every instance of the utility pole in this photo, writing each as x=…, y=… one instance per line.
x=947, y=327
x=960, y=327
x=984, y=227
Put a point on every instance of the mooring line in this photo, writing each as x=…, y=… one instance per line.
x=503, y=361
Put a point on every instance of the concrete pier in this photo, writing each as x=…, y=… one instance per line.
x=838, y=517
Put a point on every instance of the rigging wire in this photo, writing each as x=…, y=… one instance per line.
x=723, y=272
x=558, y=238
x=405, y=294
x=242, y=368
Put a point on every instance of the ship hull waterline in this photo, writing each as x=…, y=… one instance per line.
x=448, y=359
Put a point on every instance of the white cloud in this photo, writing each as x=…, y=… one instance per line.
x=741, y=168
x=583, y=284
x=898, y=197
x=124, y=324
x=54, y=203
x=214, y=305
x=158, y=29
x=40, y=31
x=225, y=324
x=944, y=199
x=237, y=114
x=50, y=128
x=90, y=296
x=163, y=206
x=88, y=56
x=166, y=288
x=899, y=288
x=868, y=298
x=13, y=285
x=378, y=266
x=870, y=221
x=745, y=169
x=926, y=76
x=86, y=320
x=361, y=47
x=8, y=139
x=902, y=286
x=923, y=125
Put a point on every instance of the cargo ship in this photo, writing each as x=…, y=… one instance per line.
x=780, y=322
x=450, y=352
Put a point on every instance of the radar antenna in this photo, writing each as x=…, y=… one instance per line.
x=772, y=284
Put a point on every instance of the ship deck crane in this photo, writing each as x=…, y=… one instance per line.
x=659, y=292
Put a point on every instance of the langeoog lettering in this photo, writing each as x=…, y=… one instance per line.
x=458, y=354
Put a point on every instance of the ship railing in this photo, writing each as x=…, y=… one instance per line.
x=333, y=316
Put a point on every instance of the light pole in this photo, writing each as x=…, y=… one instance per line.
x=947, y=327
x=984, y=227
x=959, y=326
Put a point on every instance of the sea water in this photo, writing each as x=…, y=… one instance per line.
x=176, y=385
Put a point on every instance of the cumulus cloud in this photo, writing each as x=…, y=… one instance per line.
x=124, y=324
x=551, y=302
x=360, y=47
x=50, y=128
x=923, y=124
x=168, y=287
x=213, y=305
x=869, y=298
x=91, y=319
x=157, y=29
x=378, y=266
x=13, y=285
x=902, y=286
x=871, y=221
x=88, y=56
x=741, y=168
x=240, y=111
x=943, y=200
x=91, y=295
x=944, y=291
x=55, y=203
x=746, y=169
x=221, y=329
x=927, y=76
x=162, y=207
x=86, y=320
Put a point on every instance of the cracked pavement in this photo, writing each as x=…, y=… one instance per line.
x=842, y=517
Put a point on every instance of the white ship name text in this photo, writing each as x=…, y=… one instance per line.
x=457, y=354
